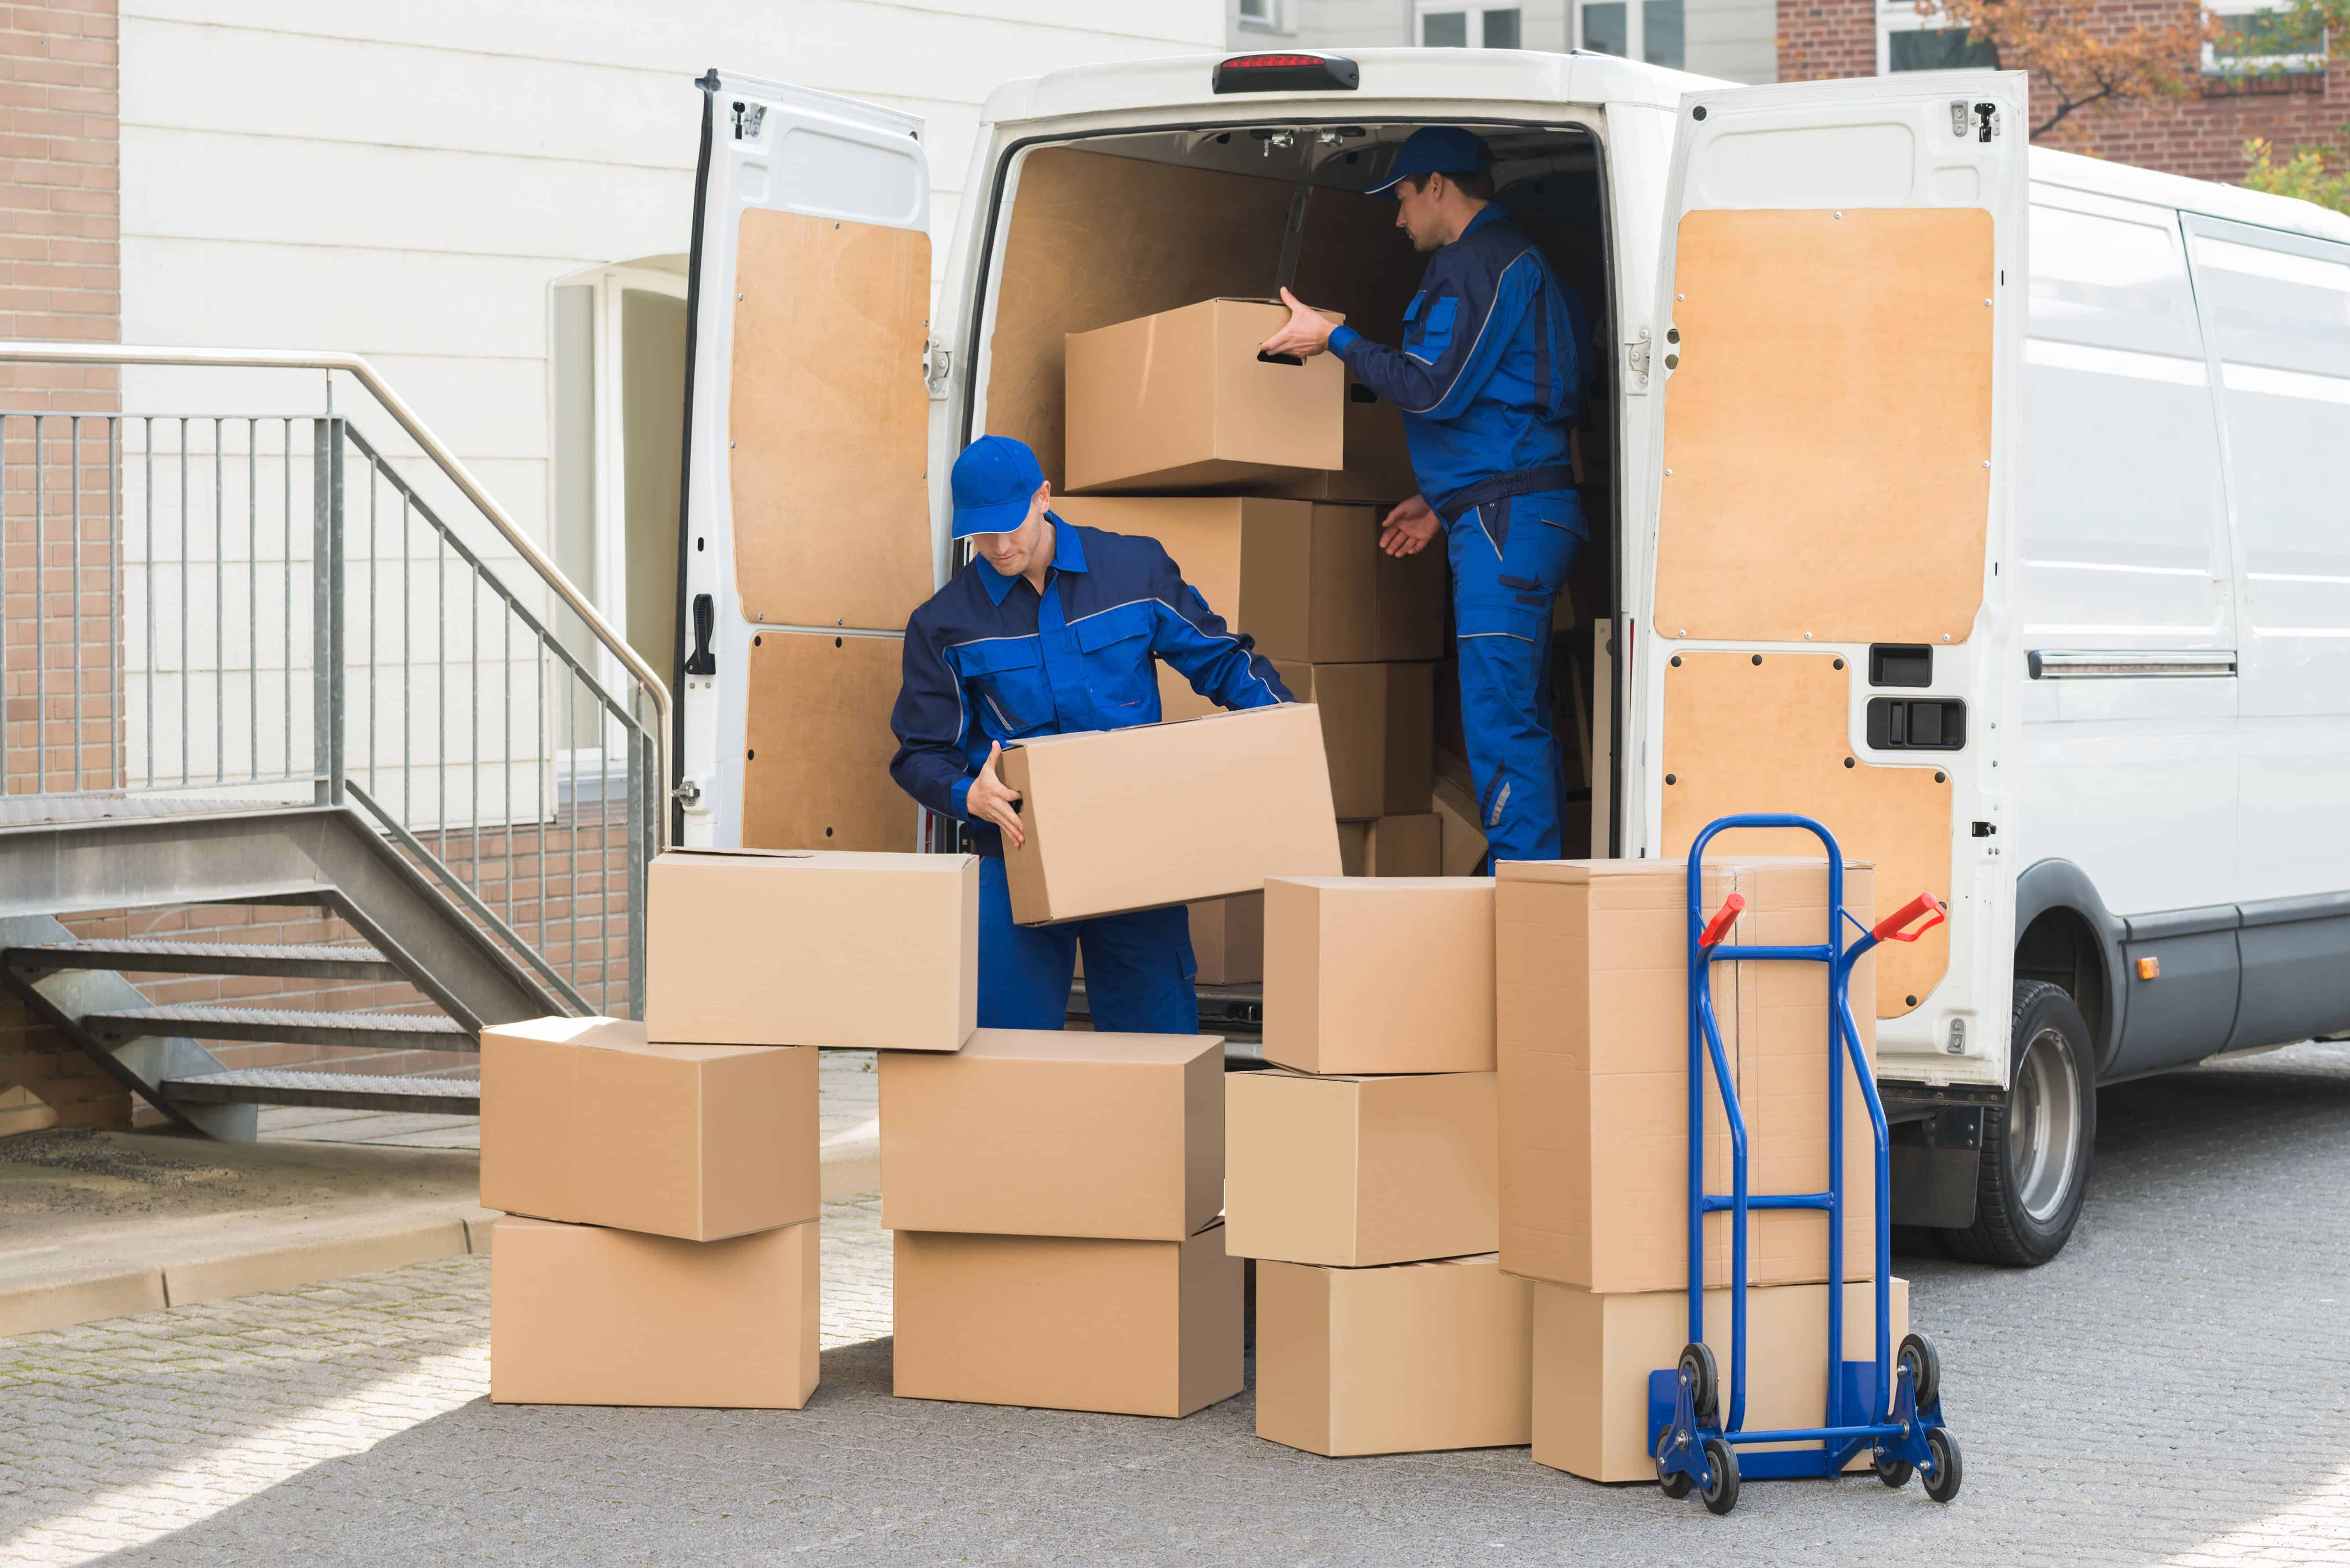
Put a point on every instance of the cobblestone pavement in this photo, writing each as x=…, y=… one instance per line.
x=2168, y=1392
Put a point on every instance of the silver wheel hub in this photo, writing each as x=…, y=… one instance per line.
x=2043, y=1125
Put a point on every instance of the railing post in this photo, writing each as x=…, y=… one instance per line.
x=327, y=606
x=640, y=805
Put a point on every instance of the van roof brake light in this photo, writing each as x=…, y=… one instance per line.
x=1289, y=71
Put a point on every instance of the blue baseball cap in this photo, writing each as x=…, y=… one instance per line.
x=1436, y=150
x=993, y=480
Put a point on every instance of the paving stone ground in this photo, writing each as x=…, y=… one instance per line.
x=2170, y=1391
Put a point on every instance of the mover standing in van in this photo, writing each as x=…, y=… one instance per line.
x=1492, y=374
x=1052, y=627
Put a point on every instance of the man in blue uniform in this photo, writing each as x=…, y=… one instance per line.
x=1494, y=372
x=1052, y=627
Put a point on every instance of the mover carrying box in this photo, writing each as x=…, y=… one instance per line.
x=584, y=1316
x=1137, y=1328
x=1228, y=939
x=1593, y=1354
x=1389, y=974
x=1306, y=580
x=1180, y=400
x=812, y=948
x=1164, y=814
x=583, y=1120
x=1351, y=1171
x=1041, y=1133
x=1393, y=846
x=1378, y=728
x=1408, y=1359
x=1591, y=1026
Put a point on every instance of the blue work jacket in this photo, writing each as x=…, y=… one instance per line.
x=989, y=659
x=1494, y=369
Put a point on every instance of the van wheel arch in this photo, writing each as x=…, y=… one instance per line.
x=2066, y=936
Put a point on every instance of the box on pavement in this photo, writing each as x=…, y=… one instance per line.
x=580, y=1314
x=1228, y=939
x=833, y=947
x=1389, y=974
x=584, y=1120
x=1036, y=1132
x=1462, y=844
x=1379, y=458
x=1352, y=1171
x=1592, y=1353
x=1164, y=814
x=1180, y=400
x=1378, y=728
x=1064, y=1323
x=1406, y=1359
x=1306, y=580
x=1592, y=1038
x=1393, y=846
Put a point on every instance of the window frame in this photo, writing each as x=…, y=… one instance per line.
x=1635, y=31
x=1902, y=17
x=1273, y=21
x=1474, y=9
x=2259, y=65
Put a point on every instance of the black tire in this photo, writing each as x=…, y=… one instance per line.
x=1950, y=1469
x=1925, y=1366
x=1677, y=1484
x=1704, y=1379
x=1721, y=1467
x=1894, y=1473
x=2036, y=1151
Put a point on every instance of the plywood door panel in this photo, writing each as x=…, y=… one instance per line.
x=830, y=420
x=817, y=772
x=1828, y=430
x=1775, y=736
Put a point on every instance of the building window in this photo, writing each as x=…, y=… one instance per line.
x=1906, y=41
x=1444, y=25
x=1262, y=16
x=1647, y=30
x=2265, y=39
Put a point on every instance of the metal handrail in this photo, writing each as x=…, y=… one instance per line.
x=356, y=366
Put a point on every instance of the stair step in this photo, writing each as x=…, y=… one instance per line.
x=282, y=1026
x=287, y=960
x=337, y=1091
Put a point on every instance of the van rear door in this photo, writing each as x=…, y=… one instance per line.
x=807, y=537
x=1844, y=300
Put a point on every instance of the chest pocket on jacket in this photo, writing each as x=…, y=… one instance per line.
x=1007, y=674
x=1119, y=674
x=1436, y=334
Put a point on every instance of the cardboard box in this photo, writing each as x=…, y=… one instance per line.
x=584, y=1316
x=582, y=1120
x=1378, y=729
x=1306, y=580
x=1044, y=1133
x=1591, y=1027
x=1164, y=814
x=1228, y=939
x=1352, y=1171
x=812, y=948
x=1408, y=1359
x=1379, y=458
x=1462, y=844
x=1392, y=847
x=1379, y=974
x=1593, y=1354
x=1135, y=1328
x=1180, y=400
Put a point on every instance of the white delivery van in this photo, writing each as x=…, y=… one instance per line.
x=1984, y=502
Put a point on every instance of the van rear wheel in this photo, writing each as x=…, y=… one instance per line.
x=2036, y=1152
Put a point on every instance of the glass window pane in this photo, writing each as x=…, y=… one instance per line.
x=1502, y=29
x=1661, y=32
x=1939, y=49
x=1445, y=30
x=1254, y=10
x=1603, y=26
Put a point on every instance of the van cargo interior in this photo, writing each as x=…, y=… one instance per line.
x=1106, y=229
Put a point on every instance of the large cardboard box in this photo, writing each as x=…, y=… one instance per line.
x=1180, y=400
x=1591, y=1026
x=1137, y=1328
x=1406, y=1359
x=1044, y=1133
x=1352, y=1171
x=1228, y=939
x=1462, y=843
x=583, y=1120
x=1393, y=846
x=1378, y=728
x=1306, y=580
x=584, y=1316
x=1388, y=974
x=1593, y=1354
x=812, y=948
x=1164, y=814
x=1379, y=458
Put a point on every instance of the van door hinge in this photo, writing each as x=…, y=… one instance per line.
x=938, y=359
x=748, y=118
x=1636, y=361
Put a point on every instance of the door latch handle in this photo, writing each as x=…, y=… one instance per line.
x=705, y=614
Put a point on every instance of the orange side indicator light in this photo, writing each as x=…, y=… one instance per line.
x=2150, y=969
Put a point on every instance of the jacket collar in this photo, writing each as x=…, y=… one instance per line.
x=1491, y=212
x=1069, y=556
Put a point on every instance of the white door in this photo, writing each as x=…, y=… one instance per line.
x=807, y=535
x=1830, y=631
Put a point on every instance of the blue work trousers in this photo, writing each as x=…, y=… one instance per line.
x=1139, y=967
x=1510, y=558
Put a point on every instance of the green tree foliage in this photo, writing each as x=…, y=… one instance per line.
x=2305, y=175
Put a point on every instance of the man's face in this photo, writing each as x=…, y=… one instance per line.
x=1014, y=553
x=1416, y=213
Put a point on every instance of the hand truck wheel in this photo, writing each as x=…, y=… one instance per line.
x=1697, y=1370
x=1720, y=1491
x=1948, y=1469
x=1917, y=1354
x=1894, y=1473
x=1677, y=1484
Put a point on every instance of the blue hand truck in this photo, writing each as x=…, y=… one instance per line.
x=1891, y=1405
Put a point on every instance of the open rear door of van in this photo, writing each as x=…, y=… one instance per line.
x=807, y=537
x=1843, y=312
